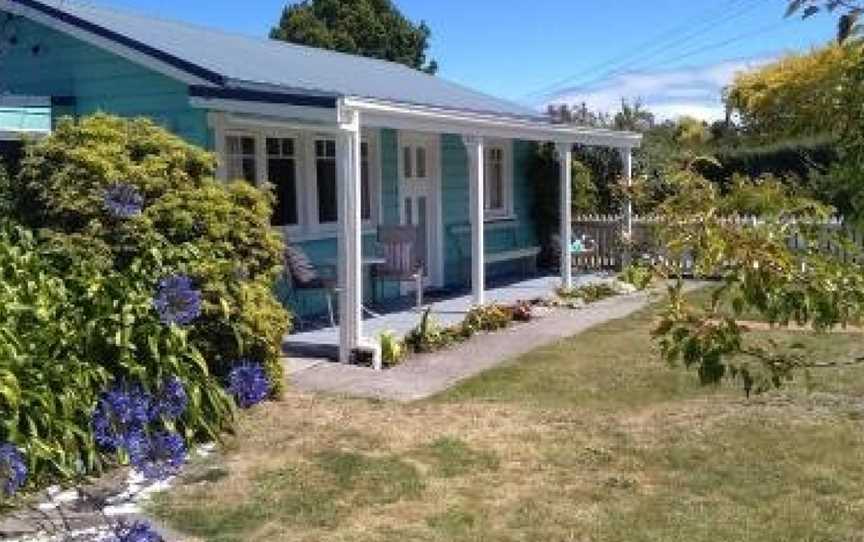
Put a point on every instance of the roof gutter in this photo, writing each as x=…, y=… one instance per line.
x=378, y=113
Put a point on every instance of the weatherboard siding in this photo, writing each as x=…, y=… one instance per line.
x=98, y=80
x=500, y=236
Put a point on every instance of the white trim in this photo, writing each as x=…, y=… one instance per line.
x=385, y=114
x=565, y=159
x=104, y=43
x=325, y=117
x=476, y=148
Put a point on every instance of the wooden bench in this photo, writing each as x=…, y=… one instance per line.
x=529, y=254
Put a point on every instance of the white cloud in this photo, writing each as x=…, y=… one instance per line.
x=693, y=91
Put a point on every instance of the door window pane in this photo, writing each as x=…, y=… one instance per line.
x=282, y=173
x=240, y=158
x=421, y=162
x=365, y=187
x=407, y=160
x=325, y=170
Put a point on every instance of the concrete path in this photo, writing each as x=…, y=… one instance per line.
x=426, y=375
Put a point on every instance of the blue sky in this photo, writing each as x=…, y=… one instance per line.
x=674, y=54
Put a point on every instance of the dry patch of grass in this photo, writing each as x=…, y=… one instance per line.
x=591, y=439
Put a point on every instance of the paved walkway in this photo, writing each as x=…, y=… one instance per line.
x=426, y=375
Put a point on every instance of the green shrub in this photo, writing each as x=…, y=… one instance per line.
x=639, y=275
x=65, y=335
x=392, y=349
x=486, y=318
x=218, y=234
x=589, y=293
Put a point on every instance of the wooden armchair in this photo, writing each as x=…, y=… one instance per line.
x=303, y=275
x=398, y=248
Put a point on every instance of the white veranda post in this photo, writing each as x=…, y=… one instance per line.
x=476, y=180
x=565, y=159
x=627, y=227
x=350, y=234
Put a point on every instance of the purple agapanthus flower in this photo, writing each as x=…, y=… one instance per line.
x=13, y=470
x=159, y=455
x=138, y=531
x=248, y=383
x=121, y=415
x=123, y=200
x=171, y=400
x=177, y=301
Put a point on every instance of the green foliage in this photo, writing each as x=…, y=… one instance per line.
x=544, y=172
x=589, y=293
x=218, y=234
x=761, y=273
x=795, y=96
x=76, y=299
x=486, y=318
x=65, y=334
x=802, y=163
x=392, y=349
x=639, y=275
x=373, y=28
x=429, y=336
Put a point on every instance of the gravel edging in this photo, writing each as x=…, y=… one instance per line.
x=425, y=375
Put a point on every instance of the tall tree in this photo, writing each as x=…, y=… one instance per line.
x=373, y=28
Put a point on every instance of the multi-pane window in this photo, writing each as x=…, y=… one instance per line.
x=496, y=195
x=325, y=173
x=282, y=174
x=240, y=158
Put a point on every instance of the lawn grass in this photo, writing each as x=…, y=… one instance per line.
x=590, y=439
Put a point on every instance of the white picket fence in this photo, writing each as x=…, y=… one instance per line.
x=608, y=253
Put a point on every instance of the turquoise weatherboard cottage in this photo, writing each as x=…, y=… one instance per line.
x=350, y=144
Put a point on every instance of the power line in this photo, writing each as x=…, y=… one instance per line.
x=657, y=41
x=695, y=33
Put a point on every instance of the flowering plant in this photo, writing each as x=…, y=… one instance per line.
x=123, y=200
x=248, y=383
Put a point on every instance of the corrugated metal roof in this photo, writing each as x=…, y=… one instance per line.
x=244, y=60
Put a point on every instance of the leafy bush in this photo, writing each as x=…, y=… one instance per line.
x=486, y=318
x=144, y=271
x=639, y=275
x=69, y=186
x=392, y=349
x=65, y=336
x=428, y=336
x=590, y=293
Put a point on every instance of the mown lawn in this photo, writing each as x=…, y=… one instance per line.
x=592, y=439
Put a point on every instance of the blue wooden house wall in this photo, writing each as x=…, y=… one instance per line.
x=99, y=81
x=103, y=81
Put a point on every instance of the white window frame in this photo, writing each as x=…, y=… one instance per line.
x=506, y=211
x=309, y=227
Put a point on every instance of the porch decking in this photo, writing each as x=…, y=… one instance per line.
x=324, y=343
